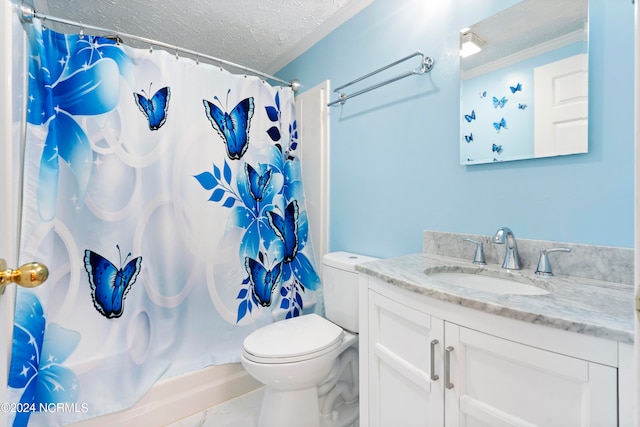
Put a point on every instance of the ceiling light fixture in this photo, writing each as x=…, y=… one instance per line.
x=470, y=44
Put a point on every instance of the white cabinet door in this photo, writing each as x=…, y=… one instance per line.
x=403, y=390
x=497, y=382
x=426, y=371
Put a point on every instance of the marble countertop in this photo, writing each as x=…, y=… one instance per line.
x=586, y=306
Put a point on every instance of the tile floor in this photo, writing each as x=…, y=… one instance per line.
x=239, y=412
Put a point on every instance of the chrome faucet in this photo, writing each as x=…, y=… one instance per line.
x=511, y=257
x=478, y=258
x=544, y=268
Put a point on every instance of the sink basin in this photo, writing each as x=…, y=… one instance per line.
x=486, y=281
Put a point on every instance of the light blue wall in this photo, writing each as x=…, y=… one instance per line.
x=395, y=151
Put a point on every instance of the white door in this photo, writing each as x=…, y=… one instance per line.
x=312, y=115
x=11, y=72
x=561, y=107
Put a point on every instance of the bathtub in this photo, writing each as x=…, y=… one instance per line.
x=175, y=398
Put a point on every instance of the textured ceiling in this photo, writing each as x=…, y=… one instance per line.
x=260, y=34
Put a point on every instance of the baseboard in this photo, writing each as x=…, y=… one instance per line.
x=175, y=398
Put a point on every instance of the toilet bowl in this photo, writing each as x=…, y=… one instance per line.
x=291, y=376
x=293, y=357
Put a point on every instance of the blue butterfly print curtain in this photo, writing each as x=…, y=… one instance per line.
x=166, y=198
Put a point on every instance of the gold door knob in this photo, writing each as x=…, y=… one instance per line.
x=28, y=275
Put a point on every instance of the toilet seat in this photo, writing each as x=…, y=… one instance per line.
x=293, y=340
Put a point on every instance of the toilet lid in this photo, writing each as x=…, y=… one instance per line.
x=293, y=337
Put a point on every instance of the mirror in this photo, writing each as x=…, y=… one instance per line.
x=525, y=93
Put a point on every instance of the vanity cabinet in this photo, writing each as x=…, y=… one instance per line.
x=431, y=363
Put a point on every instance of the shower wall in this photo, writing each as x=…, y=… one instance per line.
x=313, y=120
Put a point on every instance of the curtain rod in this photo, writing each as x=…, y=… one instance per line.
x=27, y=13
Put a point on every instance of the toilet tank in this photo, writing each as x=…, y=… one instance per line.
x=340, y=287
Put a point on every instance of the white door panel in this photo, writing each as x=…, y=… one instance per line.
x=561, y=107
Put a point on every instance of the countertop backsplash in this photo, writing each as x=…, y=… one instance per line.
x=612, y=264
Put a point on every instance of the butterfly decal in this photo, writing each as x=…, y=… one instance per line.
x=496, y=148
x=516, y=88
x=110, y=285
x=257, y=182
x=470, y=117
x=499, y=102
x=232, y=127
x=501, y=124
x=483, y=94
x=469, y=138
x=263, y=280
x=154, y=108
x=522, y=106
x=286, y=228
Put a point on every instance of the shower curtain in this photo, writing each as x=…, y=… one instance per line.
x=165, y=196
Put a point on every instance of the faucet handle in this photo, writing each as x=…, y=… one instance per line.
x=544, y=268
x=478, y=258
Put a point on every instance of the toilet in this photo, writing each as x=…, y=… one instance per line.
x=309, y=364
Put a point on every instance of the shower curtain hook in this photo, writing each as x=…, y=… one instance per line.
x=177, y=52
x=151, y=49
x=81, y=30
x=197, y=58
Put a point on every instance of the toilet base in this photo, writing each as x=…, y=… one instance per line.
x=289, y=408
